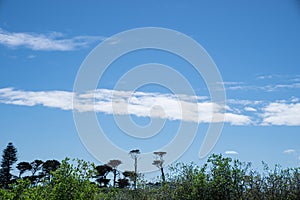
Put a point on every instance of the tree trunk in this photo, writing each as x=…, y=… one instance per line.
x=135, y=172
x=115, y=176
x=162, y=174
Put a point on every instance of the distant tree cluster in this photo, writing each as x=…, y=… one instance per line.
x=37, y=169
x=219, y=178
x=127, y=178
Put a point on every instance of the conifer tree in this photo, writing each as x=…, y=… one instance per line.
x=9, y=157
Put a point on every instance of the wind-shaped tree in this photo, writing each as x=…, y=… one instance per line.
x=114, y=164
x=36, y=166
x=159, y=161
x=101, y=172
x=134, y=155
x=23, y=167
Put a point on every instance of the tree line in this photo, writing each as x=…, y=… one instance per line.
x=219, y=178
x=37, y=171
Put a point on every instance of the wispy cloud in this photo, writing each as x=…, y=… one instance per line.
x=267, y=88
x=266, y=83
x=244, y=102
x=198, y=109
x=231, y=83
x=250, y=109
x=231, y=153
x=261, y=77
x=289, y=151
x=167, y=106
x=237, y=87
x=287, y=86
x=45, y=42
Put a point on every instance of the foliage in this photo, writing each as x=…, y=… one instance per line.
x=69, y=181
x=222, y=178
x=48, y=166
x=218, y=178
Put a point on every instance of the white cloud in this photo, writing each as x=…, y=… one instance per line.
x=281, y=113
x=264, y=77
x=287, y=82
x=289, y=151
x=243, y=102
x=51, y=42
x=287, y=86
x=294, y=99
x=54, y=99
x=277, y=87
x=237, y=119
x=231, y=153
x=250, y=109
x=157, y=105
x=268, y=88
x=238, y=87
x=231, y=83
x=196, y=109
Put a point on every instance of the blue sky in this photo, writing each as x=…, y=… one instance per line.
x=255, y=45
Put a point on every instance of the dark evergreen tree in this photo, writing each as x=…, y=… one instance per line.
x=9, y=157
